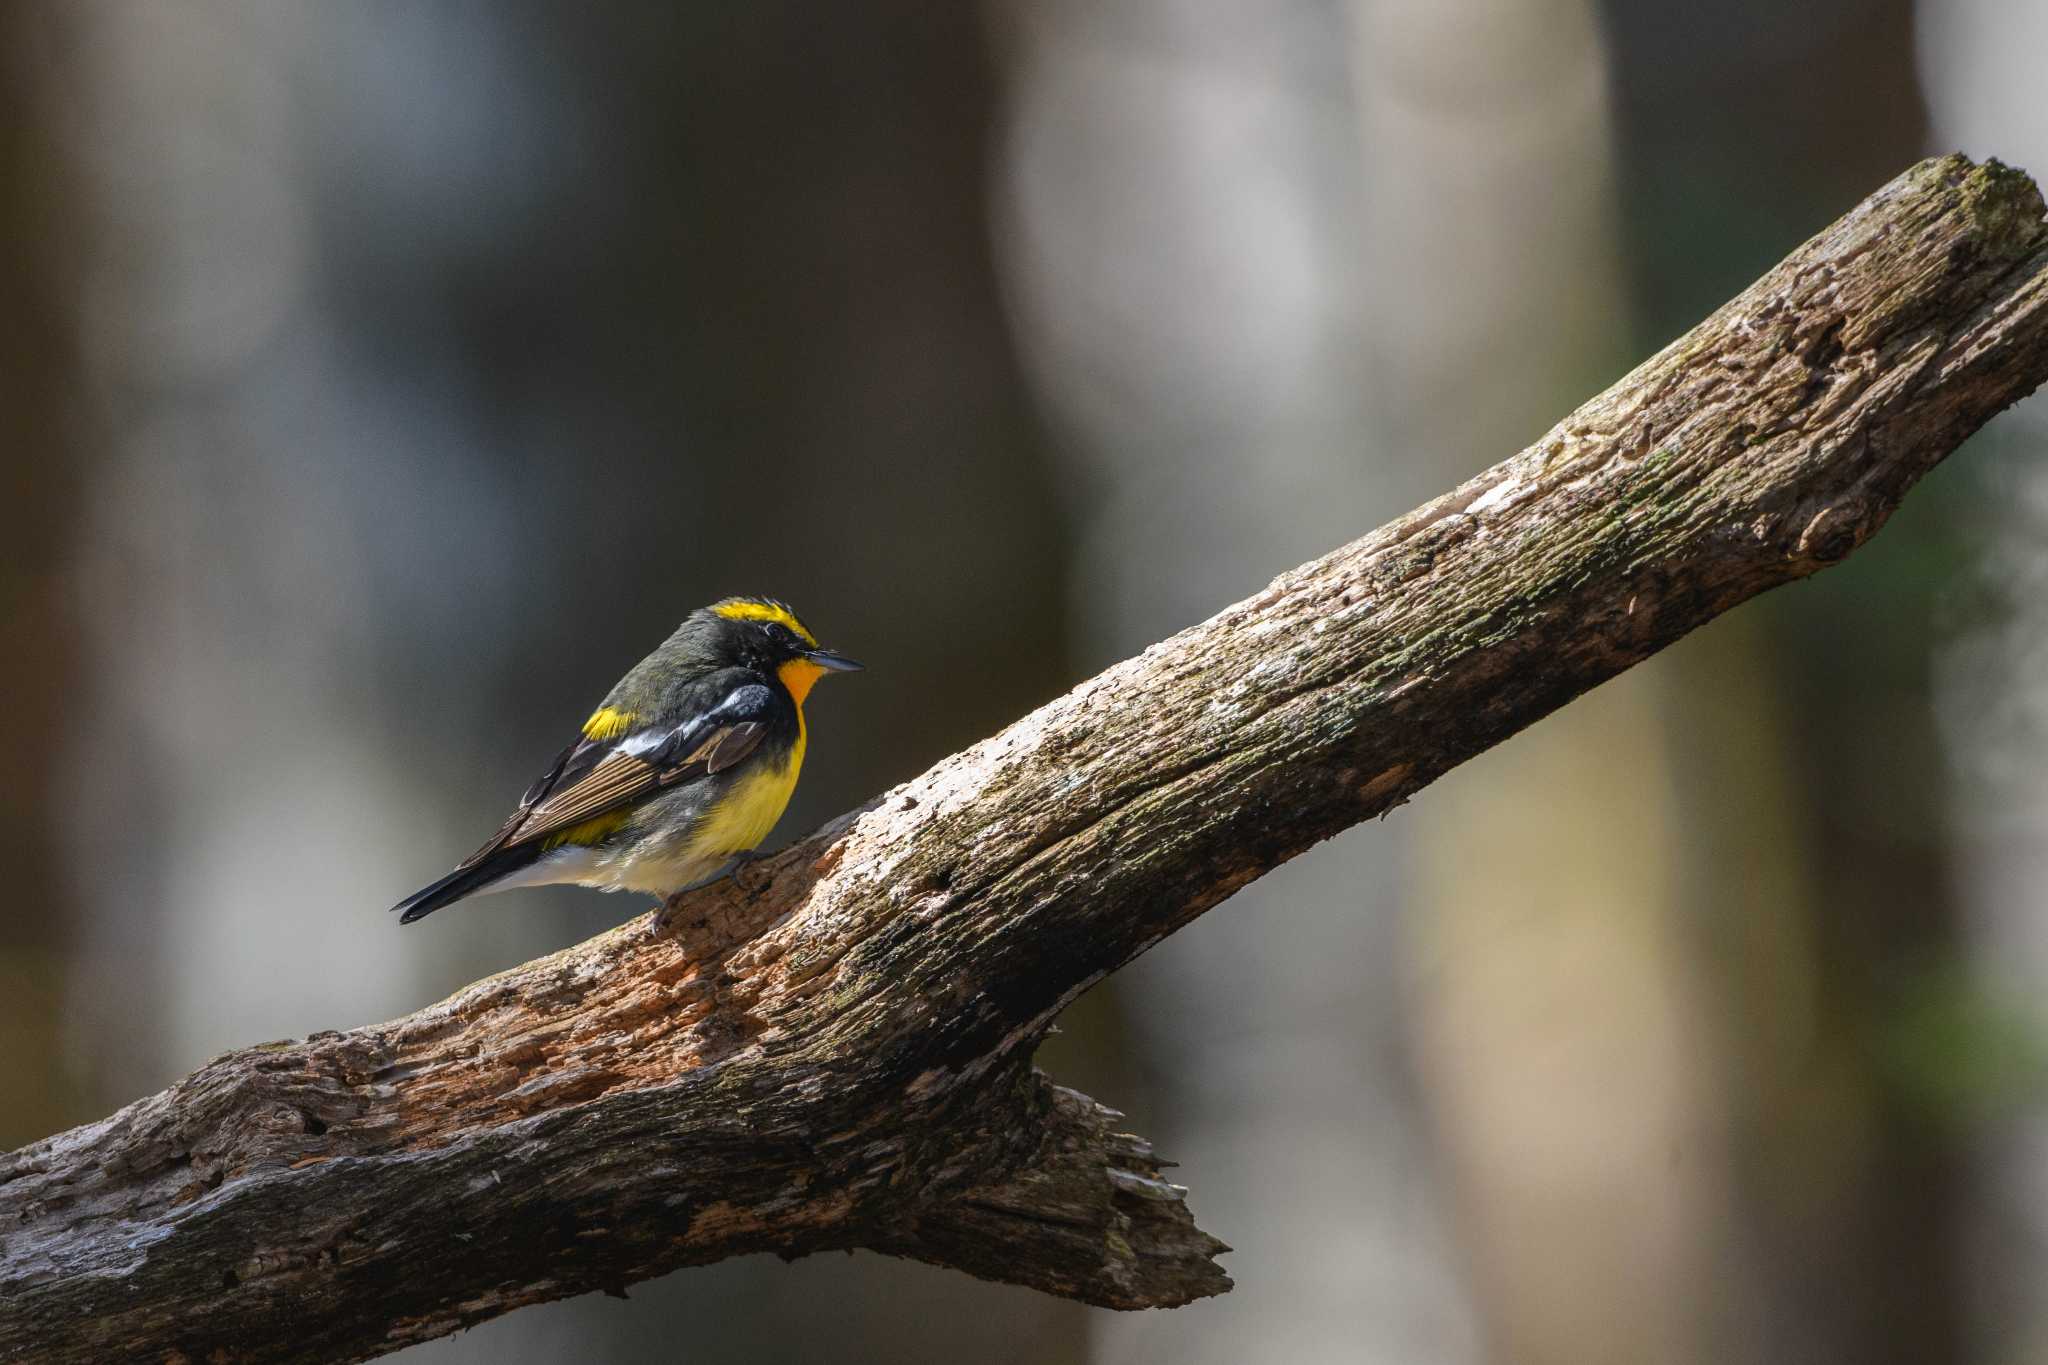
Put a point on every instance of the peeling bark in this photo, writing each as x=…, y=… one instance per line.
x=837, y=1054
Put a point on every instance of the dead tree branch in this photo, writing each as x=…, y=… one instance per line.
x=843, y=1057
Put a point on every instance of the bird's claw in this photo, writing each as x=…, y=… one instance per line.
x=751, y=886
x=663, y=909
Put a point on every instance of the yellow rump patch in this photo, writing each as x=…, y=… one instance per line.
x=595, y=830
x=759, y=609
x=607, y=723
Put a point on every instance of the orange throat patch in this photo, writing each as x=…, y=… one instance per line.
x=799, y=676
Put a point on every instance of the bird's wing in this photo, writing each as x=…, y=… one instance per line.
x=592, y=777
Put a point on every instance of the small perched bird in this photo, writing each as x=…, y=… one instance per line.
x=676, y=777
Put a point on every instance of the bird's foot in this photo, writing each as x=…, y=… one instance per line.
x=733, y=867
x=749, y=876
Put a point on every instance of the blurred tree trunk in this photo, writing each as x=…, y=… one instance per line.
x=1760, y=1189
x=1980, y=62
x=1556, y=1008
x=1812, y=784
x=43, y=693
x=1180, y=217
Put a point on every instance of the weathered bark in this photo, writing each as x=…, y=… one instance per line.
x=838, y=1054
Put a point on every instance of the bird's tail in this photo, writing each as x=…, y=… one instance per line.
x=463, y=881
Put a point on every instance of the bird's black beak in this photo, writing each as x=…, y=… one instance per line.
x=838, y=663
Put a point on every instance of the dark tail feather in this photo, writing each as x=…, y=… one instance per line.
x=463, y=881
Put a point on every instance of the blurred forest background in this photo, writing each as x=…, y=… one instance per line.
x=384, y=378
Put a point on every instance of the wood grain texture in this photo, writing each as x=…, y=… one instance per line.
x=837, y=1054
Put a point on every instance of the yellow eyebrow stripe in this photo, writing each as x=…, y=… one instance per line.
x=753, y=609
x=608, y=723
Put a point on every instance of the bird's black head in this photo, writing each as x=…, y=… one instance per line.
x=764, y=634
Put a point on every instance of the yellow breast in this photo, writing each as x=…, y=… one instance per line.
x=749, y=811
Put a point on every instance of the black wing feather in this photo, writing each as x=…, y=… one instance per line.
x=641, y=764
x=731, y=744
